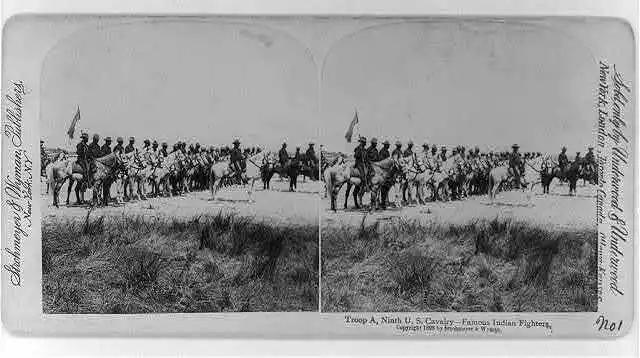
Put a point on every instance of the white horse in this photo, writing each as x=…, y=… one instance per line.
x=223, y=170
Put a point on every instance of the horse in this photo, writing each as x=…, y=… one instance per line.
x=58, y=173
x=106, y=169
x=500, y=176
x=571, y=173
x=346, y=172
x=223, y=170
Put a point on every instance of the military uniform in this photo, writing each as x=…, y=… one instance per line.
x=397, y=152
x=384, y=152
x=443, y=155
x=283, y=155
x=360, y=154
x=515, y=164
x=163, y=150
x=589, y=158
x=577, y=159
x=130, y=148
x=82, y=150
x=311, y=156
x=297, y=156
x=94, y=148
x=562, y=159
x=236, y=158
x=372, y=152
x=106, y=147
x=118, y=147
x=409, y=151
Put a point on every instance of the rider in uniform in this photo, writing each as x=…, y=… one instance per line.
x=590, y=158
x=94, y=147
x=372, y=151
x=163, y=151
x=237, y=159
x=397, y=152
x=283, y=155
x=515, y=164
x=562, y=159
x=82, y=150
x=384, y=152
x=118, y=147
x=130, y=148
x=409, y=151
x=297, y=156
x=578, y=159
x=360, y=154
x=443, y=154
x=106, y=147
x=310, y=154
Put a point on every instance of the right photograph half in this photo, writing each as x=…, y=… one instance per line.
x=460, y=171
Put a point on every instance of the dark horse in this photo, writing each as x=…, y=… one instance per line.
x=291, y=169
x=571, y=173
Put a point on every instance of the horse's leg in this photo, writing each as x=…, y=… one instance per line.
x=250, y=189
x=346, y=196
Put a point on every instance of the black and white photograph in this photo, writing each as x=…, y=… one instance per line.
x=319, y=175
x=460, y=169
x=179, y=170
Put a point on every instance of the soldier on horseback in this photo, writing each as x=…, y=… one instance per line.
x=237, y=160
x=397, y=152
x=118, y=147
x=84, y=158
x=577, y=160
x=360, y=154
x=94, y=148
x=311, y=158
x=563, y=161
x=283, y=155
x=384, y=152
x=106, y=147
x=130, y=148
x=515, y=164
x=443, y=154
x=372, y=151
x=409, y=151
x=163, y=151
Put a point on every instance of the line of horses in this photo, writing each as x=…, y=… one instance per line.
x=454, y=178
x=138, y=174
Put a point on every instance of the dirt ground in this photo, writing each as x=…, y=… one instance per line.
x=555, y=210
x=276, y=205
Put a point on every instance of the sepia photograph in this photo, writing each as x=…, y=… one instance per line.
x=179, y=171
x=459, y=169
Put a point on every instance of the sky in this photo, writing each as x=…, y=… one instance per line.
x=484, y=84
x=444, y=82
x=183, y=80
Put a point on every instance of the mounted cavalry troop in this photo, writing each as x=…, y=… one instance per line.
x=434, y=173
x=155, y=169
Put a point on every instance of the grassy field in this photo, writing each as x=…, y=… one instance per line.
x=223, y=263
x=484, y=265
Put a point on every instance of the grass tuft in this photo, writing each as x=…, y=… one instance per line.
x=499, y=265
x=216, y=263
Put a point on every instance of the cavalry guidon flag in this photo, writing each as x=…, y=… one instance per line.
x=74, y=121
x=349, y=133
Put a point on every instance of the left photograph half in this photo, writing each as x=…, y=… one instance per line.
x=178, y=168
